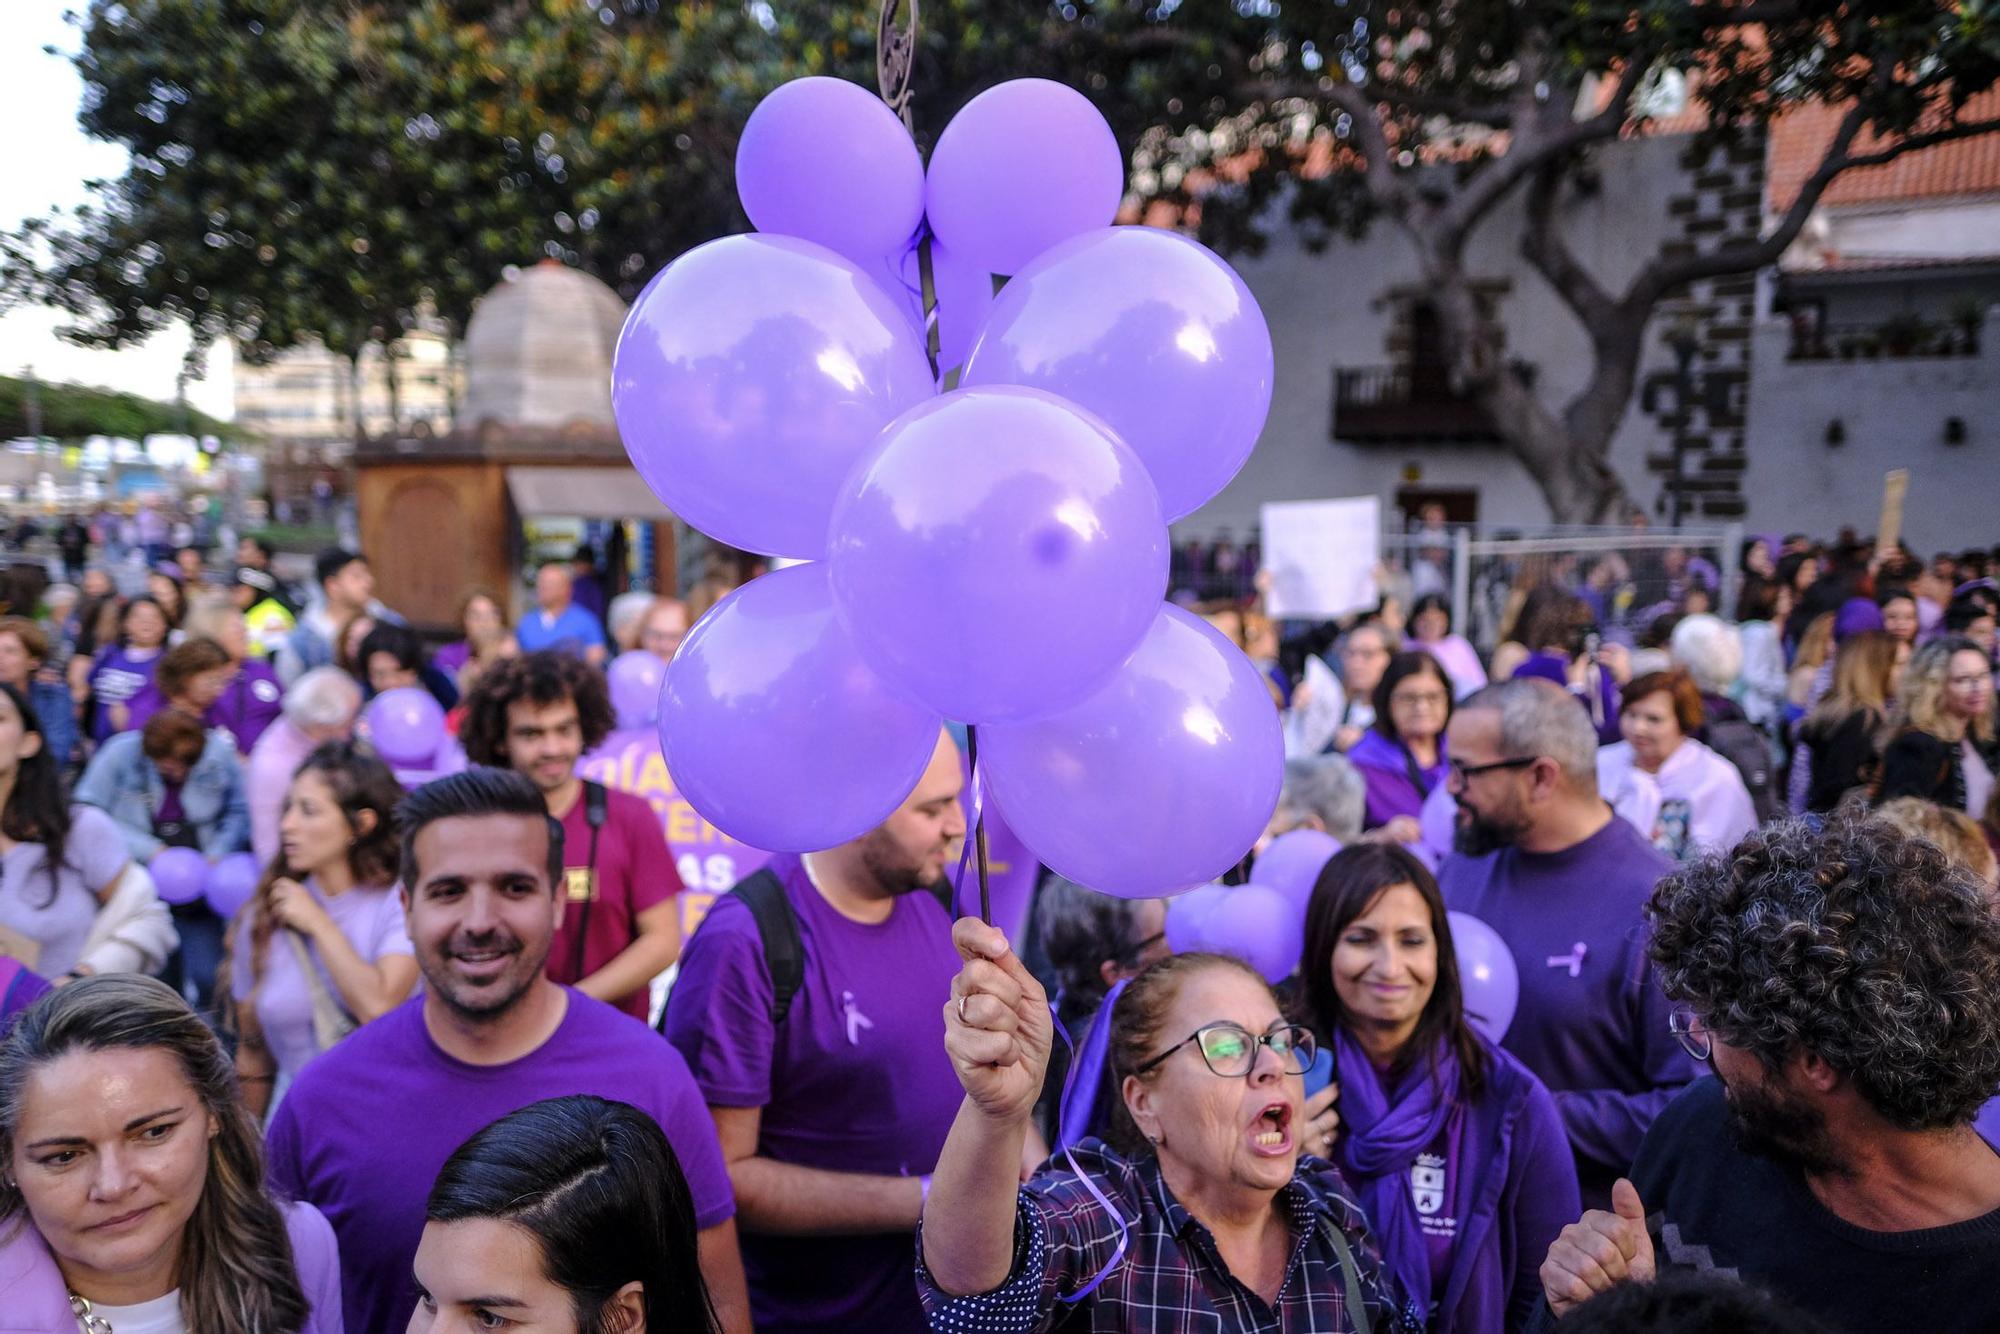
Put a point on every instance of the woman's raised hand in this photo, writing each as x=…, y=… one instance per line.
x=997, y=1025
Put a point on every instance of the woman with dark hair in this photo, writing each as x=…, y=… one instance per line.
x=1402, y=755
x=1213, y=1215
x=392, y=656
x=66, y=899
x=487, y=640
x=133, y=1196
x=123, y=668
x=1683, y=796
x=1457, y=1151
x=571, y=1216
x=168, y=590
x=1430, y=630
x=1561, y=637
x=321, y=948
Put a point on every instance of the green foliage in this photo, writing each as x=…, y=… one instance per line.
x=72, y=412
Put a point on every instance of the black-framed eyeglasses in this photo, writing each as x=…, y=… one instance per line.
x=1230, y=1050
x=1694, y=1036
x=1456, y=773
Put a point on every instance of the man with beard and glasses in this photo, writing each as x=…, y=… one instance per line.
x=807, y=1006
x=1544, y=862
x=364, y=1130
x=1844, y=983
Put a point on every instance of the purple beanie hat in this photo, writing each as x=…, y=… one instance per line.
x=1856, y=615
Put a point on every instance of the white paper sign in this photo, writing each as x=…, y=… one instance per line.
x=1321, y=556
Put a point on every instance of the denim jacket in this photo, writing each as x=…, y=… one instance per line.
x=124, y=784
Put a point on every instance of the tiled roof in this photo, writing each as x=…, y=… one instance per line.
x=1962, y=167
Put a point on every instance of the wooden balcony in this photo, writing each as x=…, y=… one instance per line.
x=1399, y=405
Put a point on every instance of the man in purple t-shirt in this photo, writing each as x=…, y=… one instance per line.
x=1544, y=862
x=832, y=1117
x=364, y=1130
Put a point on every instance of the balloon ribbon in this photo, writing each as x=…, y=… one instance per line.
x=976, y=844
x=1077, y=1101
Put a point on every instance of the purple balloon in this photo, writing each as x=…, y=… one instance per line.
x=1187, y=912
x=998, y=555
x=1487, y=975
x=776, y=731
x=406, y=725
x=1162, y=779
x=1154, y=333
x=1260, y=926
x=825, y=160
x=231, y=882
x=1291, y=864
x=751, y=375
x=179, y=874
x=634, y=681
x=1022, y=166
x=964, y=293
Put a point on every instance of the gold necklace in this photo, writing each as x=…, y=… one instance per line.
x=87, y=1319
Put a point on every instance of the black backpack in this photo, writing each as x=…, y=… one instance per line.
x=1738, y=741
x=778, y=927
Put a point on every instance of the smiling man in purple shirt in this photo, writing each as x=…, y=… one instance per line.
x=833, y=1113
x=1545, y=863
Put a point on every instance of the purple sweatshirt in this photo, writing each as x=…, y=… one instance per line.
x=1395, y=785
x=1592, y=1020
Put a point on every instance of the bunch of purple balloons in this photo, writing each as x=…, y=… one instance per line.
x=995, y=554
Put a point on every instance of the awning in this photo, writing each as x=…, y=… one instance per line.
x=582, y=493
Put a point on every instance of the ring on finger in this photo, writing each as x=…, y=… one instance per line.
x=961, y=1008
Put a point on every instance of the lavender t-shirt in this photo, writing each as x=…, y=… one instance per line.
x=855, y=1080
x=366, y=1126
x=56, y=915
x=118, y=677
x=372, y=920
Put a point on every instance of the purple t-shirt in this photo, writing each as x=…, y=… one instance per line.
x=1592, y=1020
x=19, y=988
x=371, y=918
x=855, y=1080
x=365, y=1128
x=118, y=677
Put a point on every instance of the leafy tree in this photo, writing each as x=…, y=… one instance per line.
x=69, y=412
x=338, y=170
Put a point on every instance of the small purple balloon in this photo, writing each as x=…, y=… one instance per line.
x=1187, y=912
x=1260, y=926
x=776, y=731
x=634, y=681
x=179, y=875
x=1291, y=864
x=1153, y=332
x=998, y=555
x=751, y=376
x=231, y=882
x=1163, y=778
x=1022, y=166
x=1487, y=974
x=826, y=160
x=405, y=725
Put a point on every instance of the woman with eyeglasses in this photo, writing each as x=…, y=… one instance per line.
x=1213, y=1210
x=1945, y=750
x=1402, y=755
x=1456, y=1151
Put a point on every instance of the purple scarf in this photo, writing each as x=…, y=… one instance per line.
x=1379, y=1143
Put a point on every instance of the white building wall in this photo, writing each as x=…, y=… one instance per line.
x=1325, y=310
x=1893, y=413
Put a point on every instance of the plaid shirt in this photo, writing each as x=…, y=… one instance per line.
x=1172, y=1277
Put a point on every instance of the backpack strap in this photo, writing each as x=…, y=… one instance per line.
x=778, y=927
x=596, y=809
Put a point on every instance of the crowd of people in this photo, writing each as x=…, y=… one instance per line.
x=425, y=1079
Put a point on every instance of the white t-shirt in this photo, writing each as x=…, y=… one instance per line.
x=1696, y=803
x=1978, y=779
x=162, y=1315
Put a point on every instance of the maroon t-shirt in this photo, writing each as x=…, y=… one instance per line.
x=634, y=872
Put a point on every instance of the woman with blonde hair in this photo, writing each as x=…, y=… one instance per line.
x=132, y=1180
x=1944, y=752
x=321, y=948
x=1842, y=739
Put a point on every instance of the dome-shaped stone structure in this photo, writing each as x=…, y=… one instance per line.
x=538, y=351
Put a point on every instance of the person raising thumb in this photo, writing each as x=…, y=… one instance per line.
x=1598, y=1252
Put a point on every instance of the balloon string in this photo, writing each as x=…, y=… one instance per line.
x=1066, y=1135
x=976, y=845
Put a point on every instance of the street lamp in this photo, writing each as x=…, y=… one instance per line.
x=1684, y=341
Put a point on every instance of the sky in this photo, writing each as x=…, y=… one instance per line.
x=48, y=160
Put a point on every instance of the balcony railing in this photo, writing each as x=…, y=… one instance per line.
x=1404, y=404
x=1895, y=339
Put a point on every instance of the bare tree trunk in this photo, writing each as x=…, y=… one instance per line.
x=393, y=379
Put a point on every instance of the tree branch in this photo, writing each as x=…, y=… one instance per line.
x=1543, y=246
x=1383, y=184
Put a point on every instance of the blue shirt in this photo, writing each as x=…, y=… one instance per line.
x=573, y=631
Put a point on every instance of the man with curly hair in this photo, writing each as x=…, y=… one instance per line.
x=539, y=714
x=1844, y=984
